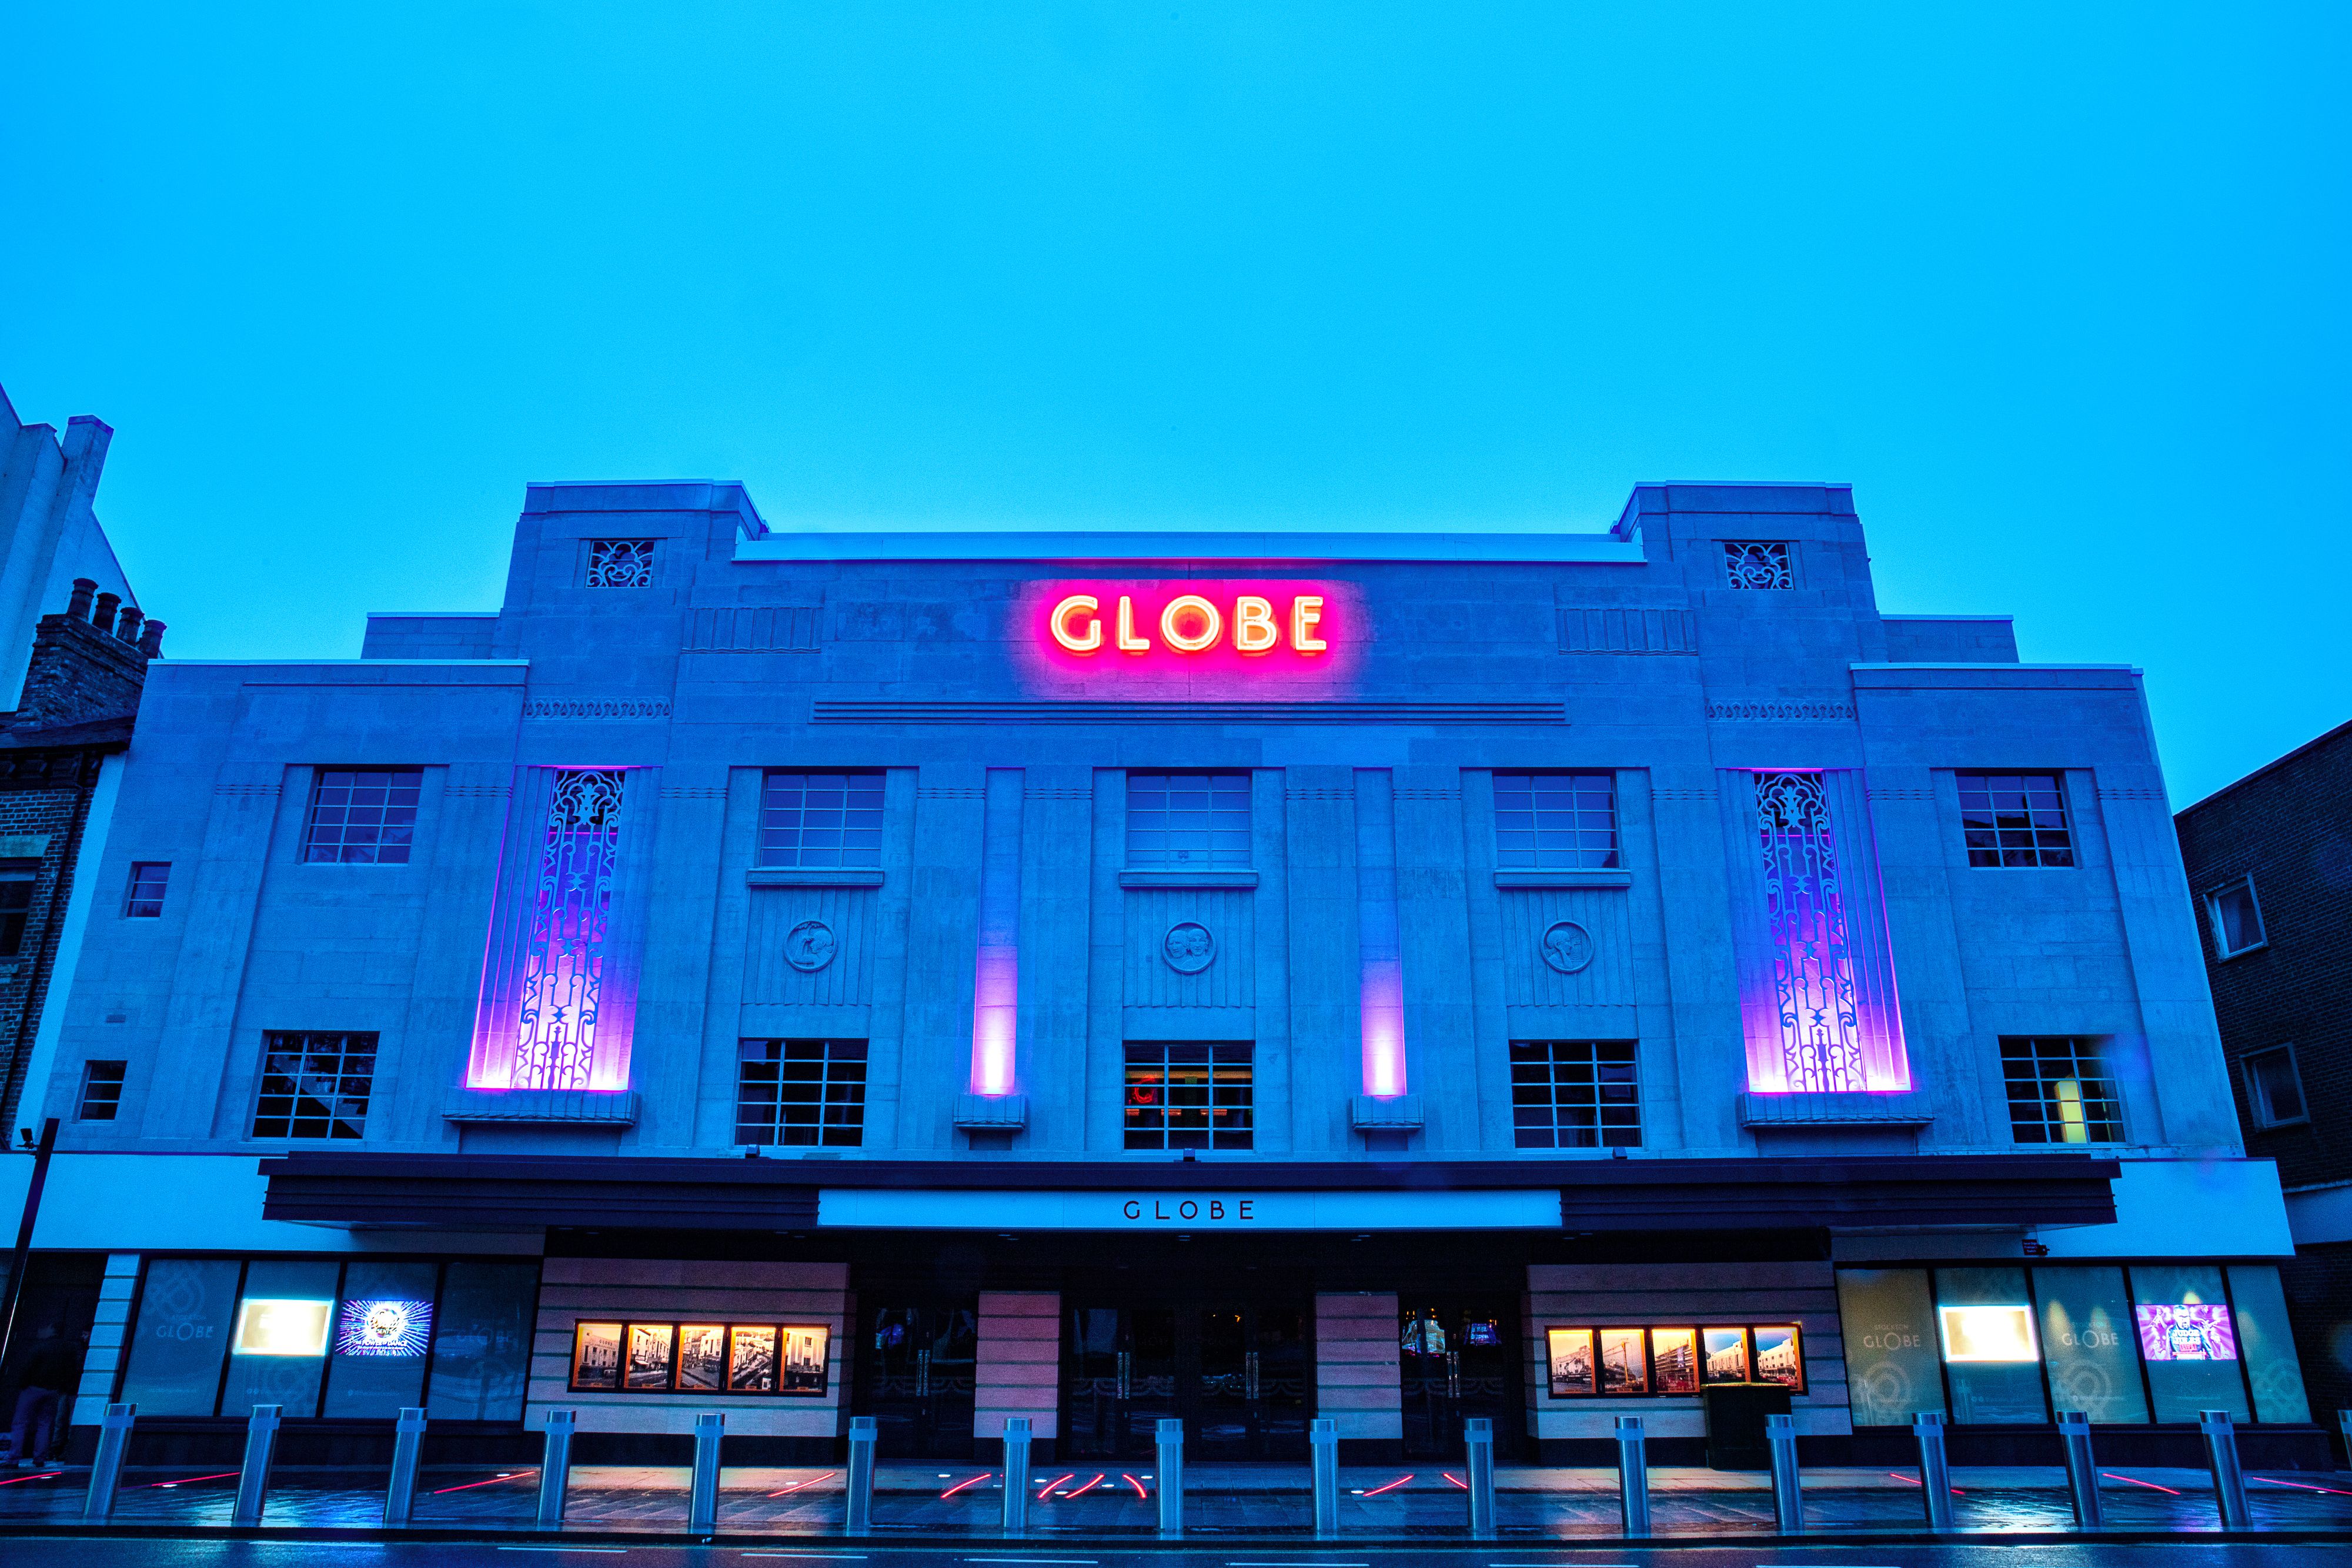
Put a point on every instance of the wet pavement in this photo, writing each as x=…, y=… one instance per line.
x=1229, y=1503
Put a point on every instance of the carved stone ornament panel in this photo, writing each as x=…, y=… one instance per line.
x=1567, y=947
x=810, y=946
x=1187, y=947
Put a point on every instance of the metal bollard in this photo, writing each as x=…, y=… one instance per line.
x=1478, y=1458
x=1323, y=1457
x=555, y=1467
x=863, y=1440
x=2082, y=1469
x=253, y=1478
x=1788, y=1489
x=702, y=1492
x=1935, y=1470
x=1633, y=1477
x=106, y=1469
x=1169, y=1437
x=1016, y=1474
x=2222, y=1458
x=407, y=1444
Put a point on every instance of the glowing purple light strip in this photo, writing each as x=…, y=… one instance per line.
x=996, y=971
x=1381, y=1003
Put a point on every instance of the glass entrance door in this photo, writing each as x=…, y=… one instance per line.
x=1237, y=1374
x=917, y=1378
x=1460, y=1358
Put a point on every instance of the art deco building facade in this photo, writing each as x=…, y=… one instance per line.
x=1099, y=977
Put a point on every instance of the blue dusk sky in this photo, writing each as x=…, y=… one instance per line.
x=2061, y=289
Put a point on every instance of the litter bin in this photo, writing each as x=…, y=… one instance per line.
x=1734, y=1423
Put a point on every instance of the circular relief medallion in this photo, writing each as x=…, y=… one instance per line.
x=810, y=946
x=1187, y=947
x=1567, y=947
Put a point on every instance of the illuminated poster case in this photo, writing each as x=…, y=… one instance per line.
x=1633, y=1362
x=773, y=1360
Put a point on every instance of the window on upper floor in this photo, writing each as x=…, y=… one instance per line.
x=2237, y=918
x=1757, y=563
x=1575, y=1094
x=801, y=1091
x=821, y=819
x=2015, y=819
x=363, y=816
x=1188, y=1095
x=314, y=1084
x=1547, y=821
x=2060, y=1090
x=144, y=898
x=2274, y=1088
x=102, y=1090
x=1188, y=821
x=16, y=880
x=621, y=563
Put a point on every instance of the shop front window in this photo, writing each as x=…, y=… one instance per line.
x=1985, y=1325
x=2087, y=1342
x=2188, y=1341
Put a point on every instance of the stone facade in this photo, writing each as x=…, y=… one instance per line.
x=1393, y=949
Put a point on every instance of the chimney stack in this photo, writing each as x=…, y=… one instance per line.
x=78, y=607
x=127, y=626
x=151, y=642
x=102, y=610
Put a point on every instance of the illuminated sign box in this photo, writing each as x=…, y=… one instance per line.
x=1989, y=1333
x=1191, y=637
x=267, y=1326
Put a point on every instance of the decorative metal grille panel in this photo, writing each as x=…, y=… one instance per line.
x=621, y=563
x=564, y=954
x=1757, y=563
x=1813, y=956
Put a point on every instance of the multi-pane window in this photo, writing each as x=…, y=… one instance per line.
x=1547, y=821
x=102, y=1090
x=363, y=816
x=821, y=819
x=144, y=898
x=16, y=879
x=1186, y=821
x=2015, y=819
x=2059, y=1091
x=621, y=563
x=1575, y=1094
x=804, y=1092
x=2274, y=1088
x=1757, y=563
x=2237, y=918
x=1188, y=1095
x=314, y=1085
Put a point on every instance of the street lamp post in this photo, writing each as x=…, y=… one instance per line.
x=16, y=1266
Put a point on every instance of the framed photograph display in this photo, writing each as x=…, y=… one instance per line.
x=596, y=1356
x=650, y=1348
x=790, y=1361
x=1674, y=1361
x=702, y=1357
x=751, y=1360
x=1779, y=1357
x=1624, y=1368
x=1571, y=1355
x=1723, y=1355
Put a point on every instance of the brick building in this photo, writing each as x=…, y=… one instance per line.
x=2270, y=868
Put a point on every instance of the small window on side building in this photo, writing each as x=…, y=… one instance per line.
x=144, y=899
x=314, y=1084
x=821, y=819
x=16, y=880
x=1547, y=821
x=1188, y=821
x=2274, y=1088
x=102, y=1090
x=2237, y=918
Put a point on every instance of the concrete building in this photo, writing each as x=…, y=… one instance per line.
x=49, y=533
x=2270, y=864
x=1097, y=977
